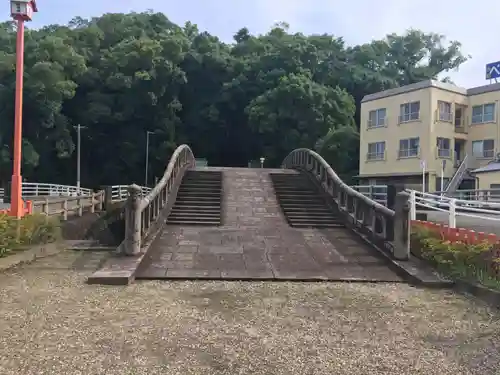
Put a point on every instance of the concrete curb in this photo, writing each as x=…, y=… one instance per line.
x=489, y=296
x=27, y=255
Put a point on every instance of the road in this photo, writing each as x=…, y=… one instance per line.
x=479, y=225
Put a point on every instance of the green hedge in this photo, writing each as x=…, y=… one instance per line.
x=30, y=230
x=479, y=262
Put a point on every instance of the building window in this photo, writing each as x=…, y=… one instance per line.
x=445, y=111
x=376, y=151
x=408, y=148
x=483, y=113
x=459, y=117
x=443, y=147
x=376, y=118
x=484, y=148
x=409, y=112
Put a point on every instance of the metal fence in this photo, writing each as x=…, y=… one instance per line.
x=378, y=193
x=487, y=210
x=120, y=192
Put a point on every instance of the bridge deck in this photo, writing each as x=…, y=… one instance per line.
x=256, y=242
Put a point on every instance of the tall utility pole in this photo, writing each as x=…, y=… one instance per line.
x=148, y=133
x=78, y=153
x=21, y=11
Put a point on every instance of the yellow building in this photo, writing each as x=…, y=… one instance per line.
x=426, y=123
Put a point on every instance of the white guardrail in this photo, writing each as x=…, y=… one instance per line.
x=120, y=192
x=36, y=189
x=486, y=210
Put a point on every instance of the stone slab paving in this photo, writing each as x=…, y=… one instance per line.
x=255, y=242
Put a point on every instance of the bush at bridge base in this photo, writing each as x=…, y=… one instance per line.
x=30, y=230
x=477, y=262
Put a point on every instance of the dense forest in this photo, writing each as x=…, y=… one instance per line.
x=123, y=75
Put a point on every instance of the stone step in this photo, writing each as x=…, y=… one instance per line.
x=317, y=225
x=193, y=222
x=201, y=214
x=199, y=191
x=313, y=215
x=194, y=197
x=297, y=194
x=188, y=208
x=197, y=203
x=301, y=198
x=295, y=206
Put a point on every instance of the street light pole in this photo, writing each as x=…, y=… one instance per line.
x=147, y=157
x=21, y=11
x=78, y=154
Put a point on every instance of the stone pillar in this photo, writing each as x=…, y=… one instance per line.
x=392, y=191
x=108, y=197
x=133, y=230
x=402, y=227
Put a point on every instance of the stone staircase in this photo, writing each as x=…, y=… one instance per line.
x=198, y=199
x=301, y=202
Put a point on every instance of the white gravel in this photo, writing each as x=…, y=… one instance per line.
x=53, y=323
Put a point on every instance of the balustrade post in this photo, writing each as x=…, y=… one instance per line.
x=107, y=200
x=65, y=209
x=80, y=206
x=133, y=221
x=402, y=227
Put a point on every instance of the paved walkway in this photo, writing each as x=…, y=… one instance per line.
x=54, y=324
x=256, y=242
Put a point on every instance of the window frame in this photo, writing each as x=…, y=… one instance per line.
x=485, y=153
x=445, y=116
x=410, y=115
x=376, y=155
x=479, y=118
x=443, y=152
x=409, y=152
x=378, y=123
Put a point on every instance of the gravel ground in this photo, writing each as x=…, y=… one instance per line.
x=53, y=323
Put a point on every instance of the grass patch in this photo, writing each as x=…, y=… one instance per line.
x=30, y=230
x=474, y=262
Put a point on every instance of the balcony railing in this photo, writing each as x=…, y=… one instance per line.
x=444, y=116
x=380, y=123
x=444, y=152
x=375, y=156
x=485, y=154
x=407, y=117
x=408, y=153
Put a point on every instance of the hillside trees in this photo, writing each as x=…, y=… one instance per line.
x=121, y=75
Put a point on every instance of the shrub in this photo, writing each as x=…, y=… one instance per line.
x=30, y=230
x=477, y=262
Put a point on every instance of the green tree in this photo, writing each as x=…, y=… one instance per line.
x=122, y=75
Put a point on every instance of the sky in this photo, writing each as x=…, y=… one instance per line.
x=474, y=23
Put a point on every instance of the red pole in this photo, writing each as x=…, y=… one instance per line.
x=16, y=201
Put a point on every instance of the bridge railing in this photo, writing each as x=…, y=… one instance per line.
x=377, y=193
x=35, y=189
x=142, y=214
x=69, y=206
x=486, y=210
x=385, y=228
x=120, y=192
